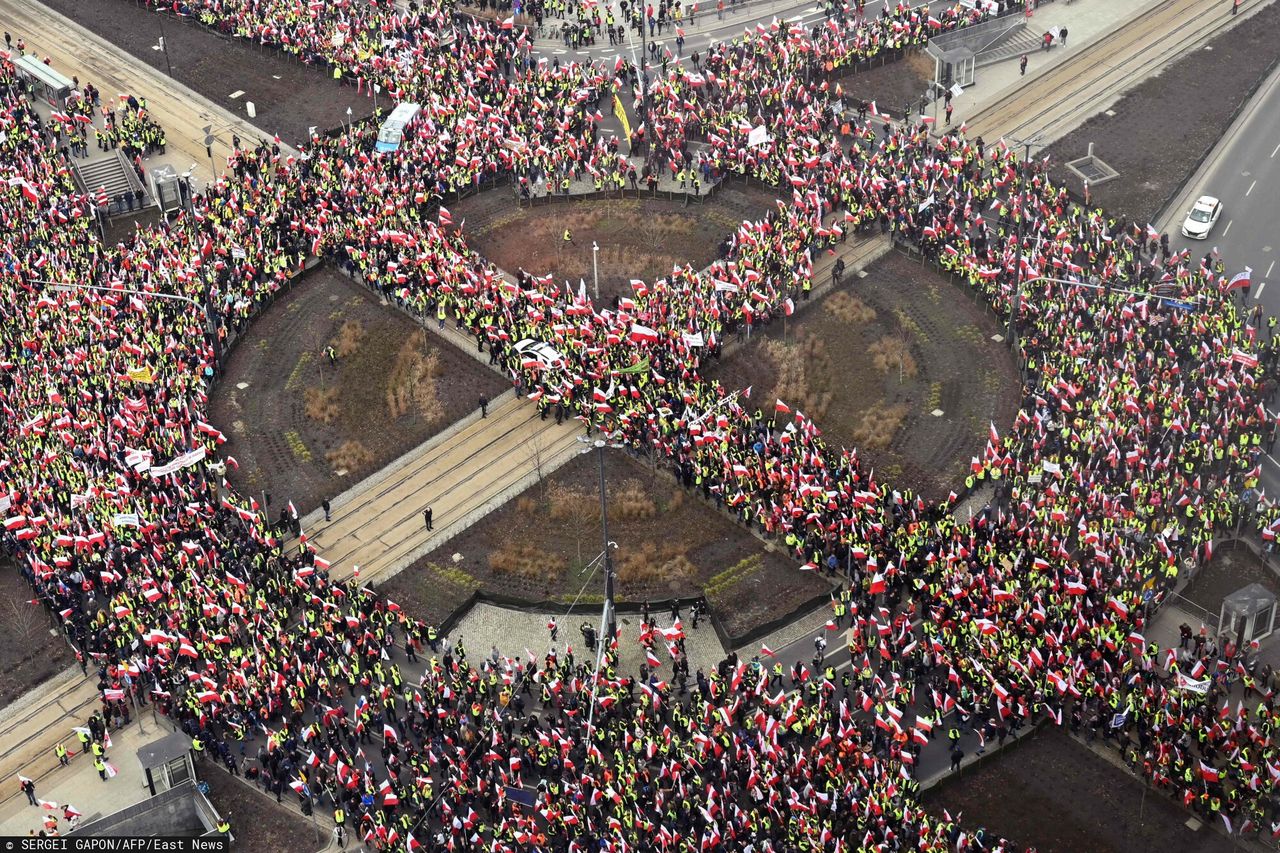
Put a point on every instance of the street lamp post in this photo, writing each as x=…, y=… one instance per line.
x=164, y=46
x=595, y=267
x=1017, y=264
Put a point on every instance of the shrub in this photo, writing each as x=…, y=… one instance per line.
x=321, y=404
x=849, y=309
x=350, y=455
x=349, y=337
x=891, y=352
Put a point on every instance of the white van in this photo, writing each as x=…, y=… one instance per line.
x=392, y=130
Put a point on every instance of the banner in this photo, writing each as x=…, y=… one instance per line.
x=140, y=374
x=641, y=367
x=622, y=116
x=757, y=137
x=186, y=460
x=126, y=519
x=693, y=339
x=1186, y=683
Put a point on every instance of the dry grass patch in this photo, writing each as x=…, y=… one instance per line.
x=628, y=501
x=849, y=309
x=526, y=561
x=565, y=503
x=804, y=374
x=350, y=334
x=879, y=425
x=350, y=455
x=412, y=384
x=651, y=562
x=321, y=404
x=893, y=353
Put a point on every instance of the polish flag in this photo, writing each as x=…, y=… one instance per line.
x=643, y=334
x=782, y=407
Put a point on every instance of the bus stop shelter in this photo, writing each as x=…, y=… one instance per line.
x=50, y=86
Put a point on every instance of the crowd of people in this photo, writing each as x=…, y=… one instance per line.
x=1139, y=431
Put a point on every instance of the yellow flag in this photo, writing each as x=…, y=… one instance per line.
x=622, y=115
x=140, y=374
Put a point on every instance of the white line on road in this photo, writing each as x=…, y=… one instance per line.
x=1257, y=294
x=1273, y=152
x=1251, y=186
x=1228, y=228
x=1270, y=268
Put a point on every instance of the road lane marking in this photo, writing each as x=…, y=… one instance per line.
x=1274, y=150
x=1257, y=294
x=1228, y=228
x=1251, y=186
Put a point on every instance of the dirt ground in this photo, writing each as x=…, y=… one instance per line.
x=256, y=821
x=1068, y=800
x=122, y=227
x=638, y=238
x=288, y=95
x=1230, y=570
x=892, y=85
x=29, y=654
x=669, y=544
x=875, y=359
x=301, y=429
x=1163, y=128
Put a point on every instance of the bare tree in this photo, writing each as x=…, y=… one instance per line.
x=538, y=458
x=26, y=618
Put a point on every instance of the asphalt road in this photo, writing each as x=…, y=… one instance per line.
x=1243, y=171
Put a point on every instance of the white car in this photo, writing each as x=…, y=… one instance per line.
x=1202, y=217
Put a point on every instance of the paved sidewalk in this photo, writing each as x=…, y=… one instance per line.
x=514, y=631
x=33, y=724
x=79, y=785
x=1111, y=48
x=75, y=51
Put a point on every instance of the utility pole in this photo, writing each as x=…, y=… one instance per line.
x=610, y=616
x=164, y=46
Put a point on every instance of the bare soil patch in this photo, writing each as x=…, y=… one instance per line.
x=289, y=96
x=873, y=361
x=893, y=85
x=305, y=429
x=1068, y=799
x=1164, y=127
x=1231, y=569
x=257, y=822
x=29, y=654
x=670, y=544
x=638, y=238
